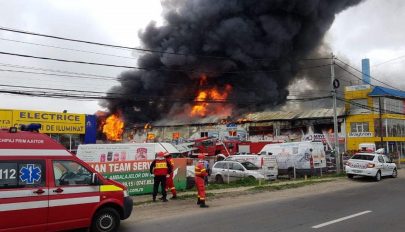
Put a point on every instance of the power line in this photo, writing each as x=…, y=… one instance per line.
x=70, y=49
x=55, y=70
x=366, y=74
x=58, y=75
x=150, y=69
x=131, y=48
x=388, y=61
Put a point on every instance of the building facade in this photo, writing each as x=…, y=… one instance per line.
x=376, y=115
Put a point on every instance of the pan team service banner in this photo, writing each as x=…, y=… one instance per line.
x=135, y=174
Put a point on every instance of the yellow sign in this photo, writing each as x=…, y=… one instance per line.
x=6, y=119
x=51, y=122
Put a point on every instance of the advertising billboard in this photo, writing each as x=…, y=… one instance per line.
x=129, y=164
x=51, y=122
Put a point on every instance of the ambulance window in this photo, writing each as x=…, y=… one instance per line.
x=22, y=174
x=69, y=173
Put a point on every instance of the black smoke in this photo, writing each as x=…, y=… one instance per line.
x=253, y=45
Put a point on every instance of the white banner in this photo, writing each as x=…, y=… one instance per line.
x=361, y=134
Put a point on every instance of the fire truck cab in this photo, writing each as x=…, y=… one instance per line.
x=43, y=187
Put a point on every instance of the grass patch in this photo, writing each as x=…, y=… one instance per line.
x=288, y=185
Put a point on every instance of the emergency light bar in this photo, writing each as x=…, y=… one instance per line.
x=33, y=127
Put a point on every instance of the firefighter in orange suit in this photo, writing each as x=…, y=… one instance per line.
x=169, y=179
x=160, y=168
x=200, y=174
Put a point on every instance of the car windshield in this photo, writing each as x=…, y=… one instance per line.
x=249, y=166
x=363, y=157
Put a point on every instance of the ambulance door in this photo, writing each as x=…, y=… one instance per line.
x=23, y=195
x=72, y=198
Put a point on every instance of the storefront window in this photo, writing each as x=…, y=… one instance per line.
x=393, y=106
x=359, y=127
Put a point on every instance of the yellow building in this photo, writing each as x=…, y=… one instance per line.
x=370, y=108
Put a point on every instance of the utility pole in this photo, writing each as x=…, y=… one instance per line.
x=381, y=123
x=334, y=86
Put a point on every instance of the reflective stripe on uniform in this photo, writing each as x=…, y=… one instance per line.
x=34, y=152
x=110, y=188
x=52, y=203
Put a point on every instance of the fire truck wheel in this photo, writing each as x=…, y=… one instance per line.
x=106, y=220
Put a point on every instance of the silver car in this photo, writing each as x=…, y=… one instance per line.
x=222, y=171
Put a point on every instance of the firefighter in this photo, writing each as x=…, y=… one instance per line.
x=160, y=168
x=200, y=174
x=169, y=178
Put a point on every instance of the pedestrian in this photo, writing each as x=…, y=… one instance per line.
x=160, y=168
x=200, y=174
x=207, y=167
x=169, y=178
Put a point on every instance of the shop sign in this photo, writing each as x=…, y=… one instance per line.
x=51, y=122
x=357, y=87
x=136, y=176
x=361, y=134
x=6, y=118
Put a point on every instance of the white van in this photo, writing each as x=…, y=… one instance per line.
x=267, y=164
x=123, y=151
x=305, y=157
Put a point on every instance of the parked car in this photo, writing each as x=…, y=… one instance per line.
x=370, y=164
x=267, y=163
x=222, y=170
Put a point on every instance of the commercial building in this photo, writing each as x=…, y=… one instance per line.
x=288, y=126
x=67, y=128
x=375, y=114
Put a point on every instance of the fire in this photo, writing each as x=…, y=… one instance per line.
x=113, y=127
x=207, y=100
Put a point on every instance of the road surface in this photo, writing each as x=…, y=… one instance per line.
x=363, y=206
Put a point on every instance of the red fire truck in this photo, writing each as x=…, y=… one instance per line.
x=213, y=146
x=43, y=187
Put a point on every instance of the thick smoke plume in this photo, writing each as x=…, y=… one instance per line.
x=254, y=46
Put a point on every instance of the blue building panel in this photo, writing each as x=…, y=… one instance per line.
x=365, y=66
x=91, y=129
x=379, y=91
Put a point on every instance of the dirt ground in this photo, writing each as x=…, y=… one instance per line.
x=176, y=208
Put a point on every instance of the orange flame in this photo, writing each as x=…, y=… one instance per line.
x=203, y=107
x=113, y=127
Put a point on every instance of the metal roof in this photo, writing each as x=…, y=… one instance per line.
x=290, y=115
x=382, y=91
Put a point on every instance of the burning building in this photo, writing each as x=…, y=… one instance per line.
x=221, y=58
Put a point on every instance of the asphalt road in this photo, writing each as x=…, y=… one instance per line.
x=378, y=206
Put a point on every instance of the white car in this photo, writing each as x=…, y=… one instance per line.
x=370, y=164
x=233, y=170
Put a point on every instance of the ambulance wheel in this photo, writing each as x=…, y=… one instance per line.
x=106, y=220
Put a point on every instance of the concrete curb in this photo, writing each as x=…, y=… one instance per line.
x=143, y=199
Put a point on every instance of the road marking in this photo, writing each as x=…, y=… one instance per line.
x=341, y=219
